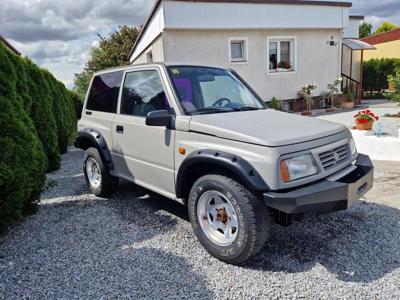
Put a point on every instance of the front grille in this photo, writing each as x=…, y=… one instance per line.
x=330, y=159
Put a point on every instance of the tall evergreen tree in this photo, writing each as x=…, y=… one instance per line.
x=22, y=160
x=42, y=114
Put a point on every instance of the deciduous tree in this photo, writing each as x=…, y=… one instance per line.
x=365, y=30
x=113, y=51
x=385, y=27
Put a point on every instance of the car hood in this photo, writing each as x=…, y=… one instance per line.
x=264, y=127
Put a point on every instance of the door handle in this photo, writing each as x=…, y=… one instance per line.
x=89, y=113
x=120, y=129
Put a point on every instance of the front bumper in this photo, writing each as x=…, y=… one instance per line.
x=326, y=196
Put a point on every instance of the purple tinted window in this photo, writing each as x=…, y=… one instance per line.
x=184, y=89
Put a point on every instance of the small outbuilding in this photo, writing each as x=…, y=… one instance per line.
x=387, y=45
x=277, y=46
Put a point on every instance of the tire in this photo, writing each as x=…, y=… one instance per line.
x=249, y=213
x=101, y=183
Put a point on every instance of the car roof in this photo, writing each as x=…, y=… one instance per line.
x=164, y=64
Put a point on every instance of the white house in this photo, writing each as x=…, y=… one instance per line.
x=277, y=46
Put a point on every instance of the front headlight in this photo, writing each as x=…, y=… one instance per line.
x=353, y=147
x=298, y=167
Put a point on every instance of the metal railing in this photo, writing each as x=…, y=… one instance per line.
x=350, y=84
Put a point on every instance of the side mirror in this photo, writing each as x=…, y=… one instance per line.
x=159, y=118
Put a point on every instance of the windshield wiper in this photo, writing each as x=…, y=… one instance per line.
x=211, y=110
x=246, y=108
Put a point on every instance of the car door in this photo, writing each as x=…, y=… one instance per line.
x=101, y=104
x=142, y=153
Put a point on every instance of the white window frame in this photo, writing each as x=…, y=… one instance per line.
x=245, y=49
x=293, y=53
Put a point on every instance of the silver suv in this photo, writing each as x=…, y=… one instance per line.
x=201, y=136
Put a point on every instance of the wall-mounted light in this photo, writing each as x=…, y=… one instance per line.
x=332, y=42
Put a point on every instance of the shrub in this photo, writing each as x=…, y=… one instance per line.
x=70, y=112
x=376, y=72
x=78, y=103
x=62, y=108
x=21, y=81
x=22, y=160
x=395, y=80
x=275, y=104
x=42, y=114
x=349, y=96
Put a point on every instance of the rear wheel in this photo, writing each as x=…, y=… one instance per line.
x=97, y=175
x=230, y=222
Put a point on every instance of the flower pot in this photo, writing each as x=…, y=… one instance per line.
x=365, y=126
x=348, y=105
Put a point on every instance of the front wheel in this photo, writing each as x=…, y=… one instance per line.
x=230, y=222
x=97, y=175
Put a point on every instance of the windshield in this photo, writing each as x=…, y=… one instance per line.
x=204, y=90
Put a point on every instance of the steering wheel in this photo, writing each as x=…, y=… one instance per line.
x=219, y=102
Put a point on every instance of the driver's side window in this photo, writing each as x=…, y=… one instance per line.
x=142, y=93
x=221, y=88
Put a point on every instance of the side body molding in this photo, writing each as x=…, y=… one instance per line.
x=92, y=138
x=226, y=161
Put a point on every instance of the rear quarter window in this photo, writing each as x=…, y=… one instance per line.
x=103, y=94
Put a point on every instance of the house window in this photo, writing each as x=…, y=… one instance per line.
x=238, y=50
x=281, y=55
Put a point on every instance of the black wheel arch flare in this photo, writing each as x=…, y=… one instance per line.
x=92, y=138
x=227, y=161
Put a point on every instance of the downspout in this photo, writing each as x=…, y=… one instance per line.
x=361, y=76
x=341, y=64
x=351, y=70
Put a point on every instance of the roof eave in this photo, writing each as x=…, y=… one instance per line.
x=152, y=13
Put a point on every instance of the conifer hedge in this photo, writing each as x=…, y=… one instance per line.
x=37, y=122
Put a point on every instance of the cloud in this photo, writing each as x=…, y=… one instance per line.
x=377, y=11
x=58, y=34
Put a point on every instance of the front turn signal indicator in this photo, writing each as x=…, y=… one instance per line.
x=182, y=150
x=285, y=176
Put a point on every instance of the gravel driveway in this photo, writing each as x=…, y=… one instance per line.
x=140, y=245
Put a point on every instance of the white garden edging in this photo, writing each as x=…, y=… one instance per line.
x=377, y=148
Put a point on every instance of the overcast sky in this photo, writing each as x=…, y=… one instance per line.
x=58, y=34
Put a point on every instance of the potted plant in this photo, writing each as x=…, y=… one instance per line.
x=284, y=66
x=306, y=93
x=349, y=102
x=333, y=90
x=365, y=119
x=275, y=104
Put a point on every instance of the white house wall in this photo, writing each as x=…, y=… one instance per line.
x=352, y=30
x=198, y=15
x=157, y=50
x=155, y=27
x=316, y=60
